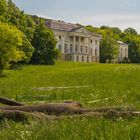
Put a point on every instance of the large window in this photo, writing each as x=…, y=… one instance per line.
x=60, y=48
x=87, y=59
x=77, y=58
x=66, y=48
x=82, y=58
x=96, y=52
x=60, y=37
x=70, y=58
x=71, y=38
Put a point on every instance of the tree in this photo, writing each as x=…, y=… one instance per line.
x=10, y=43
x=131, y=31
x=45, y=45
x=3, y=10
x=108, y=49
x=133, y=42
x=28, y=50
x=134, y=52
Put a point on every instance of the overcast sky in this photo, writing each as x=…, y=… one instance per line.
x=120, y=13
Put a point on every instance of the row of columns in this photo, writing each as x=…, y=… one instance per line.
x=81, y=47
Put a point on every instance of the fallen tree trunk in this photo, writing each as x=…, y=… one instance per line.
x=119, y=108
x=57, y=108
x=10, y=102
x=19, y=112
x=13, y=115
x=20, y=116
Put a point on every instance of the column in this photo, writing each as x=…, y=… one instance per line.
x=79, y=45
x=74, y=43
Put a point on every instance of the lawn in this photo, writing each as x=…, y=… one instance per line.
x=94, y=85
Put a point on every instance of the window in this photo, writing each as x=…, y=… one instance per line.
x=121, y=49
x=70, y=57
x=60, y=47
x=125, y=50
x=60, y=37
x=77, y=58
x=76, y=48
x=87, y=59
x=95, y=52
x=91, y=41
x=71, y=48
x=82, y=39
x=82, y=58
x=71, y=38
x=66, y=48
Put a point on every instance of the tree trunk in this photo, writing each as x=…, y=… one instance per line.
x=57, y=109
x=19, y=112
x=10, y=102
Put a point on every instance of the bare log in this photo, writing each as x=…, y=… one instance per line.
x=18, y=112
x=57, y=108
x=10, y=102
x=77, y=104
x=118, y=108
x=13, y=115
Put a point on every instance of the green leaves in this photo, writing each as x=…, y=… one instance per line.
x=44, y=43
x=10, y=42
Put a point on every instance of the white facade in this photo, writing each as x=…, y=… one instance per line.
x=122, y=51
x=77, y=44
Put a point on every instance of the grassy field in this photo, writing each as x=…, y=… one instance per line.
x=94, y=85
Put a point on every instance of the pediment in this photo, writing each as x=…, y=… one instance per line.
x=83, y=30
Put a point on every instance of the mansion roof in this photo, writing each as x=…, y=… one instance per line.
x=62, y=26
x=68, y=27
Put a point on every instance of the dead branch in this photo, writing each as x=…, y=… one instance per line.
x=69, y=109
x=10, y=102
x=57, y=108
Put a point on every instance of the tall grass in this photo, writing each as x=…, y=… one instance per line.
x=100, y=85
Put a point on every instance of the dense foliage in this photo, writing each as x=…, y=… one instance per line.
x=44, y=43
x=11, y=40
x=110, y=35
x=11, y=16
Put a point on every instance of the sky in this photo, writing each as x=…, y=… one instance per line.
x=115, y=13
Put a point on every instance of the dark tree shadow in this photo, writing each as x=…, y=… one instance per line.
x=3, y=76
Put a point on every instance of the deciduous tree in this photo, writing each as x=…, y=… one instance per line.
x=45, y=45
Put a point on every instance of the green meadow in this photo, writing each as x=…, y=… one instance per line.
x=94, y=85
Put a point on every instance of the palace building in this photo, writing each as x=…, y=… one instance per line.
x=75, y=42
x=122, y=51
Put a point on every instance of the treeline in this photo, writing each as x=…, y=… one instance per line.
x=110, y=36
x=24, y=38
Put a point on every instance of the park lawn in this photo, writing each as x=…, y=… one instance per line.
x=94, y=85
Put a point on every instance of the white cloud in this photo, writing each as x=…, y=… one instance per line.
x=119, y=20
